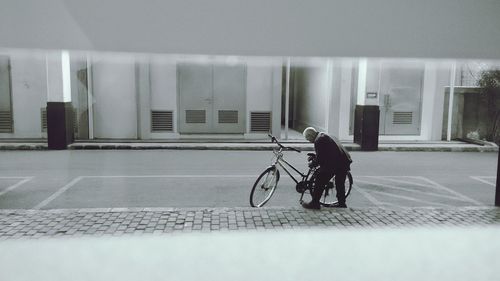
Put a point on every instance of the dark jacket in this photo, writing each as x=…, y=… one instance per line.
x=331, y=154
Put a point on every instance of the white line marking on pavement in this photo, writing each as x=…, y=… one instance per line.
x=369, y=197
x=482, y=179
x=12, y=187
x=465, y=198
x=411, y=190
x=176, y=176
x=406, y=182
x=57, y=193
x=408, y=198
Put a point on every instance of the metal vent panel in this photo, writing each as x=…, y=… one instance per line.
x=162, y=121
x=75, y=120
x=402, y=118
x=196, y=117
x=6, y=122
x=228, y=116
x=44, y=119
x=260, y=121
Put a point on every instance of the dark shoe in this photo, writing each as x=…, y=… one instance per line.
x=314, y=205
x=339, y=205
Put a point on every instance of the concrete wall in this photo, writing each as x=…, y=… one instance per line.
x=311, y=85
x=259, y=91
x=163, y=79
x=346, y=92
x=5, y=93
x=29, y=94
x=125, y=90
x=436, y=78
x=79, y=98
x=373, y=73
x=116, y=90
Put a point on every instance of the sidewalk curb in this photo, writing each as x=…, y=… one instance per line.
x=240, y=209
x=398, y=147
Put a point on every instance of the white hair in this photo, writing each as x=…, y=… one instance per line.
x=310, y=134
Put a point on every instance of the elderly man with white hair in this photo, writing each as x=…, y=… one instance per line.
x=333, y=160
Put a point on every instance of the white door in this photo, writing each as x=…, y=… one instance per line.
x=115, y=101
x=195, y=98
x=229, y=84
x=211, y=98
x=401, y=98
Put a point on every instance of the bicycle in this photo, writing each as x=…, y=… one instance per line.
x=267, y=182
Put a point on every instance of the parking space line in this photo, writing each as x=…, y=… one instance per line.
x=406, y=182
x=482, y=179
x=370, y=198
x=408, y=198
x=411, y=190
x=57, y=193
x=465, y=198
x=394, y=178
x=14, y=186
x=174, y=176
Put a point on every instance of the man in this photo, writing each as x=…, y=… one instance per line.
x=333, y=160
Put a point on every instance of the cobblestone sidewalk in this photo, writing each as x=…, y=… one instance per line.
x=96, y=222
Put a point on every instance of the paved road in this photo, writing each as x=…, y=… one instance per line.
x=172, y=178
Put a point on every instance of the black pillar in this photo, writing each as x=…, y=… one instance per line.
x=59, y=124
x=366, y=126
x=497, y=192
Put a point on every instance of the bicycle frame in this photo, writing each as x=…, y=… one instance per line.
x=282, y=162
x=303, y=184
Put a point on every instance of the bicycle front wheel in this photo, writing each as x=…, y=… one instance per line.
x=329, y=197
x=264, y=187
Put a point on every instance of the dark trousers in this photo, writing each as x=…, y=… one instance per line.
x=340, y=185
x=323, y=176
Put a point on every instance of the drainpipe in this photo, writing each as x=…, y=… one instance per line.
x=90, y=98
x=287, y=97
x=450, y=99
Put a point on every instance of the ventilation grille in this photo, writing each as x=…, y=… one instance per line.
x=75, y=120
x=44, y=119
x=162, y=121
x=5, y=122
x=260, y=121
x=402, y=118
x=195, y=116
x=228, y=116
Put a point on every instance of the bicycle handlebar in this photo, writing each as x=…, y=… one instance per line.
x=273, y=139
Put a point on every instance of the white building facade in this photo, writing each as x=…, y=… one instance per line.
x=164, y=98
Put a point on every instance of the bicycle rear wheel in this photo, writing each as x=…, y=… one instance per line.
x=329, y=197
x=264, y=187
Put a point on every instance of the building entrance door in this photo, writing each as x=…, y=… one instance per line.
x=211, y=98
x=401, y=98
